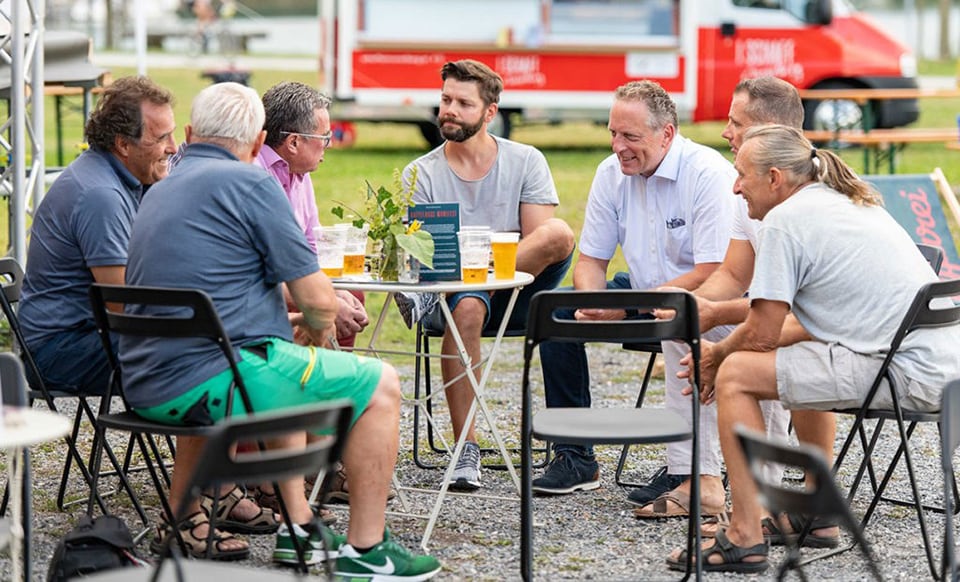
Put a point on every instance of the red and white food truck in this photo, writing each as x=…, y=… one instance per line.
x=561, y=59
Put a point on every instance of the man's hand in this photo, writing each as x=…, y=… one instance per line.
x=351, y=316
x=708, y=372
x=708, y=314
x=599, y=314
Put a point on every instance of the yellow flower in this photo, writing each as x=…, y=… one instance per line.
x=414, y=226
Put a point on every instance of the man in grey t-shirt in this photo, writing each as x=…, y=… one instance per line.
x=501, y=184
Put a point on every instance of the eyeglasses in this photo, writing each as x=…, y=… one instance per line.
x=326, y=137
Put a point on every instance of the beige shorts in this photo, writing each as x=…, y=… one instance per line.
x=819, y=376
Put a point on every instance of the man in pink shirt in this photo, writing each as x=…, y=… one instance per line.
x=298, y=134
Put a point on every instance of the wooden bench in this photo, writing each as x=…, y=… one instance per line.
x=882, y=143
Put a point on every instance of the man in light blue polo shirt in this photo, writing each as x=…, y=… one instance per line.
x=81, y=229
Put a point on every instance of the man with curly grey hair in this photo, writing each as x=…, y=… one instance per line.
x=80, y=231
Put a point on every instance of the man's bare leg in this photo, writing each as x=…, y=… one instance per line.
x=549, y=243
x=468, y=315
x=369, y=458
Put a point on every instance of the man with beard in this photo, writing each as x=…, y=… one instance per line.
x=501, y=184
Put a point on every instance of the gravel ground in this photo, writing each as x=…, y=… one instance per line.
x=583, y=536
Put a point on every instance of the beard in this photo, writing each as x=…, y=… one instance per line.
x=461, y=133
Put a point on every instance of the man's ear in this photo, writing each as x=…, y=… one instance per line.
x=188, y=133
x=491, y=113
x=121, y=146
x=258, y=144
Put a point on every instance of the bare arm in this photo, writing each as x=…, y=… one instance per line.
x=545, y=239
x=111, y=275
x=720, y=299
x=315, y=298
x=590, y=274
x=693, y=278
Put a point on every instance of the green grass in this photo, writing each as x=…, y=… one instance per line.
x=573, y=151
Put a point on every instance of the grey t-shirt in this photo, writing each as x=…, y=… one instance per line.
x=849, y=274
x=520, y=175
x=83, y=222
x=224, y=227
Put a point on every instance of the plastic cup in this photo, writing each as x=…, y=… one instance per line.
x=474, y=254
x=504, y=247
x=330, y=247
x=354, y=249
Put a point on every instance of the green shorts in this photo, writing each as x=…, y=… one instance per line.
x=277, y=374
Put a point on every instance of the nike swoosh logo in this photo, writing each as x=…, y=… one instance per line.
x=386, y=568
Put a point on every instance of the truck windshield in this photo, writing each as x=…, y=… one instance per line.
x=802, y=9
x=606, y=18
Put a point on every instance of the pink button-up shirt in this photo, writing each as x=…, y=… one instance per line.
x=297, y=187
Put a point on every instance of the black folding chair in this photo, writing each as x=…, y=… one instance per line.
x=13, y=385
x=180, y=313
x=934, y=256
x=822, y=499
x=11, y=282
x=920, y=315
x=618, y=426
x=219, y=465
x=653, y=349
x=950, y=438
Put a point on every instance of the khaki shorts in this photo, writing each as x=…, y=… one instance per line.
x=819, y=376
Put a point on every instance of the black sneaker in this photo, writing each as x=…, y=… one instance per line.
x=660, y=483
x=566, y=475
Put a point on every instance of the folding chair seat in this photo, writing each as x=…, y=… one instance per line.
x=219, y=465
x=11, y=281
x=921, y=314
x=823, y=498
x=617, y=426
x=421, y=370
x=188, y=313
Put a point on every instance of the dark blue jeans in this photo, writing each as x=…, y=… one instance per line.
x=566, y=372
x=73, y=361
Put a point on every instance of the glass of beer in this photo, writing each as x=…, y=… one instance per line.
x=474, y=254
x=354, y=250
x=504, y=246
x=330, y=247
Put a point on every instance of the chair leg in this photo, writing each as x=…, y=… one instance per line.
x=625, y=451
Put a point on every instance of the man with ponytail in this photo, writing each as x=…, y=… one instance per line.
x=824, y=254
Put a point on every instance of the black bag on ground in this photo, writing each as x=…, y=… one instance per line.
x=91, y=546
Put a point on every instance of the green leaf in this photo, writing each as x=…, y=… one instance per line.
x=337, y=211
x=418, y=244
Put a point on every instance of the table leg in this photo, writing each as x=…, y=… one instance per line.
x=478, y=401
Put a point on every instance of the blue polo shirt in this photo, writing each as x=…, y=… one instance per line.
x=84, y=221
x=224, y=227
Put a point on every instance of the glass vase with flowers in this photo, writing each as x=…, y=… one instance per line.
x=385, y=212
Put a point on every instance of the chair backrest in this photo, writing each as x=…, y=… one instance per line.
x=12, y=382
x=544, y=325
x=11, y=282
x=933, y=254
x=949, y=440
x=188, y=313
x=823, y=498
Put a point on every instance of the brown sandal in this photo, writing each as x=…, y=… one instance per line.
x=264, y=522
x=196, y=546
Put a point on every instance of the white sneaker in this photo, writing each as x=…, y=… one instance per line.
x=466, y=477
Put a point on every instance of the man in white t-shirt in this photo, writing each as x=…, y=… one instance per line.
x=720, y=300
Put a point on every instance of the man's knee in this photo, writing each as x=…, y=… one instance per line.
x=387, y=392
x=731, y=380
x=469, y=315
x=559, y=236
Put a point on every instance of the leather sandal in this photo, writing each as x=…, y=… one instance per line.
x=732, y=555
x=777, y=537
x=264, y=522
x=195, y=545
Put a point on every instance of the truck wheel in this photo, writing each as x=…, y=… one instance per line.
x=832, y=114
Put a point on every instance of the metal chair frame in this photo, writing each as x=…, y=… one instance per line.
x=609, y=426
